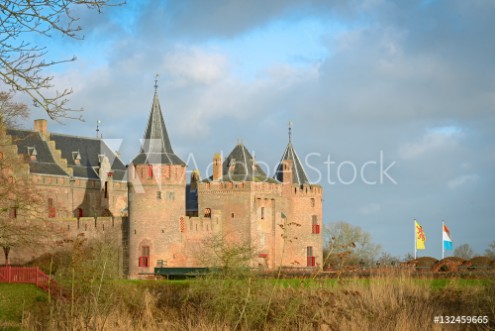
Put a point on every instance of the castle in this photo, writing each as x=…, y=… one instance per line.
x=162, y=220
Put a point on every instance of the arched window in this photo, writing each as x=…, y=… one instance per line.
x=207, y=213
x=145, y=253
x=144, y=259
x=314, y=224
x=311, y=260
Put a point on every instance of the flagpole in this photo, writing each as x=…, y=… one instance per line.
x=415, y=243
x=443, y=248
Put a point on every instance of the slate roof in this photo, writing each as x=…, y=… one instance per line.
x=299, y=176
x=241, y=166
x=44, y=164
x=89, y=150
x=157, y=148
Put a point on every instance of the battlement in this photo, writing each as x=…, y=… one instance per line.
x=202, y=225
x=154, y=174
x=307, y=190
x=244, y=186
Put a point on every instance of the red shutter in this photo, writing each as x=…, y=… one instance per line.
x=144, y=261
x=311, y=261
x=316, y=229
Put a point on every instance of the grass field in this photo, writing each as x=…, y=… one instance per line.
x=15, y=301
x=247, y=302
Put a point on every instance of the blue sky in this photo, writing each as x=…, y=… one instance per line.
x=367, y=83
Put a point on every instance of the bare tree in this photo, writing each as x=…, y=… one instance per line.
x=10, y=111
x=490, y=251
x=218, y=251
x=19, y=200
x=348, y=245
x=464, y=252
x=22, y=63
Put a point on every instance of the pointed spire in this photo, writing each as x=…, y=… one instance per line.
x=156, y=146
x=299, y=176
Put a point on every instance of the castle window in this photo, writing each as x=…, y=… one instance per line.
x=158, y=195
x=207, y=213
x=144, y=259
x=13, y=212
x=311, y=260
x=106, y=190
x=52, y=211
x=314, y=225
x=312, y=202
x=233, y=215
x=262, y=213
x=150, y=171
x=78, y=212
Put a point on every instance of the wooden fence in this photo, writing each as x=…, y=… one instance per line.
x=28, y=275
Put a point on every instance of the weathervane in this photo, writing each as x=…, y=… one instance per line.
x=156, y=82
x=290, y=129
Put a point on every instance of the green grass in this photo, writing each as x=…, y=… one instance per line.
x=15, y=299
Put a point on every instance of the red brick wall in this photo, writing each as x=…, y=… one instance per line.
x=156, y=205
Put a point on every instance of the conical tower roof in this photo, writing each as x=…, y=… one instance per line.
x=240, y=165
x=299, y=176
x=156, y=147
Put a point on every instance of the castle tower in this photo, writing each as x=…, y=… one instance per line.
x=157, y=182
x=303, y=220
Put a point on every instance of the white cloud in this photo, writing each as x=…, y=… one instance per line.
x=436, y=140
x=462, y=180
x=190, y=64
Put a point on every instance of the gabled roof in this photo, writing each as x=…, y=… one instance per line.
x=299, y=176
x=88, y=149
x=156, y=146
x=241, y=166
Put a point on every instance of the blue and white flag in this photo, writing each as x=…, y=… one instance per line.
x=447, y=240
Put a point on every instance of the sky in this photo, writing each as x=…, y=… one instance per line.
x=392, y=102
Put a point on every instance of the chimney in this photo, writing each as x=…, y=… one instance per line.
x=195, y=178
x=217, y=167
x=41, y=126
